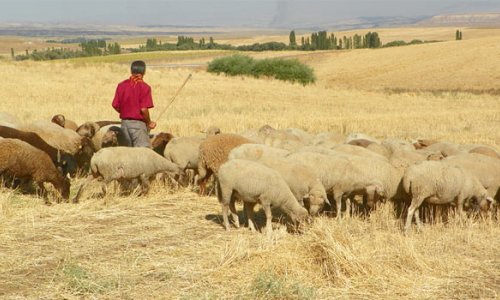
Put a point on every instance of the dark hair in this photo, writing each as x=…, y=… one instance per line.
x=138, y=67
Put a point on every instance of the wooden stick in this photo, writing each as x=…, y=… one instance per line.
x=173, y=98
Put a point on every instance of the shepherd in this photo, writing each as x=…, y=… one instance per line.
x=133, y=100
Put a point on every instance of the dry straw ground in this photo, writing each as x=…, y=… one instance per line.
x=170, y=244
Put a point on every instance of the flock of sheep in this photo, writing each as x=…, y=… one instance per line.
x=289, y=169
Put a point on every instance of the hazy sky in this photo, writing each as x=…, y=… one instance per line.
x=227, y=12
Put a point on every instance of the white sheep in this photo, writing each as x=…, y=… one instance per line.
x=438, y=182
x=256, y=151
x=302, y=180
x=346, y=175
x=327, y=139
x=184, y=152
x=9, y=120
x=485, y=168
x=254, y=183
x=126, y=163
x=358, y=136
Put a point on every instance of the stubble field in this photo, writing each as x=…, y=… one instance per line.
x=171, y=245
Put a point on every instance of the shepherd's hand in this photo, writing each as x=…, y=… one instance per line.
x=152, y=125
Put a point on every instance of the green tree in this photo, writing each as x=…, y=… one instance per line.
x=292, y=38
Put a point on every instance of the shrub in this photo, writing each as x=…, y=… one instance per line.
x=279, y=68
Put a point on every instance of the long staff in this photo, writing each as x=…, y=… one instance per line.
x=173, y=98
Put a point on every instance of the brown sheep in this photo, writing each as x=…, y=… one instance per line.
x=23, y=161
x=88, y=129
x=214, y=151
x=160, y=141
x=84, y=156
x=112, y=137
x=106, y=123
x=65, y=161
x=63, y=122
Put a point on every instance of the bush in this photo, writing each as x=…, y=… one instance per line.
x=279, y=68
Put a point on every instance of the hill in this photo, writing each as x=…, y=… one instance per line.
x=469, y=20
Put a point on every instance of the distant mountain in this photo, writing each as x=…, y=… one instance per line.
x=469, y=20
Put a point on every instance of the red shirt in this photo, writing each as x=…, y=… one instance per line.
x=131, y=97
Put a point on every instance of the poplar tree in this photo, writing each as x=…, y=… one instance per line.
x=293, y=41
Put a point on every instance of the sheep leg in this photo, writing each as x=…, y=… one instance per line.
x=460, y=208
x=348, y=207
x=144, y=180
x=338, y=202
x=225, y=211
x=84, y=185
x=203, y=182
x=415, y=203
x=269, y=218
x=234, y=215
x=42, y=192
x=249, y=212
x=417, y=219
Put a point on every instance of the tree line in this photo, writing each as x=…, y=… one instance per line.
x=88, y=48
x=321, y=40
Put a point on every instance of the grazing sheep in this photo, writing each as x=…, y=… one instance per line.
x=360, y=142
x=88, y=129
x=9, y=120
x=256, y=152
x=358, y=151
x=21, y=160
x=63, y=122
x=212, y=130
x=126, y=163
x=440, y=183
x=56, y=136
x=357, y=136
x=484, y=150
x=379, y=149
x=304, y=137
x=447, y=149
x=113, y=137
x=253, y=135
x=423, y=143
x=65, y=162
x=280, y=138
x=184, y=152
x=485, y=168
x=214, y=151
x=84, y=156
x=319, y=149
x=396, y=144
x=327, y=139
x=345, y=175
x=302, y=180
x=160, y=141
x=254, y=183
x=107, y=123
x=109, y=136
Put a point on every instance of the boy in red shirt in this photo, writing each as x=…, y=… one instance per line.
x=133, y=100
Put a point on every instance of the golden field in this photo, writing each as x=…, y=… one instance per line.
x=171, y=245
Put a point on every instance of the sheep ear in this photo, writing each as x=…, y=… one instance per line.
x=490, y=199
x=58, y=156
x=328, y=202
